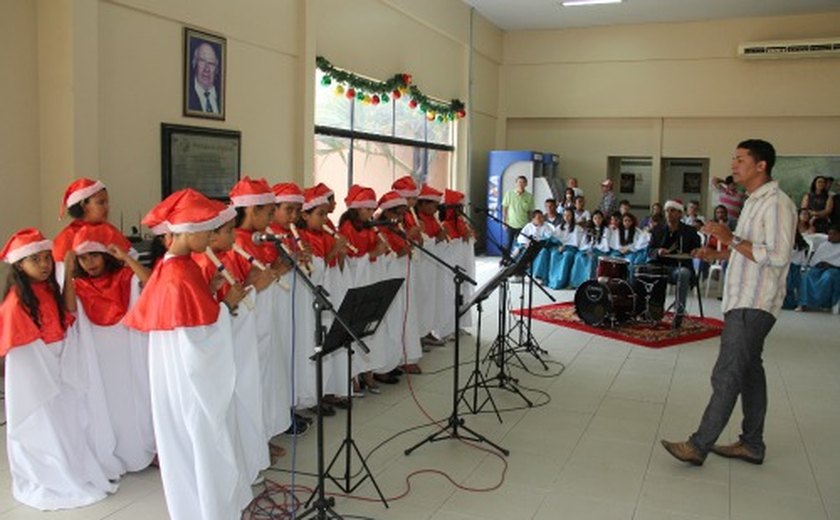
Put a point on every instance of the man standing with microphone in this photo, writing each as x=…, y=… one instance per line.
x=759, y=256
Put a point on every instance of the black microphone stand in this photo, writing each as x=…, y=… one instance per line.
x=322, y=507
x=454, y=422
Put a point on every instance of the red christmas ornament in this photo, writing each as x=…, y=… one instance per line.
x=462, y=114
x=406, y=79
x=412, y=104
x=351, y=93
x=396, y=94
x=375, y=99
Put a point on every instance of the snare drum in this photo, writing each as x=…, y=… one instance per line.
x=650, y=283
x=612, y=267
x=605, y=303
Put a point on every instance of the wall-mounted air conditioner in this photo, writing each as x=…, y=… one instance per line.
x=813, y=48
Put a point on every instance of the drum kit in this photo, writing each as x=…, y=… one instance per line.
x=611, y=299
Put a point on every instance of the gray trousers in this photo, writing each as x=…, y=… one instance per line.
x=738, y=371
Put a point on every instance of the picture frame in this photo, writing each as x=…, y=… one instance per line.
x=627, y=183
x=692, y=182
x=205, y=67
x=205, y=159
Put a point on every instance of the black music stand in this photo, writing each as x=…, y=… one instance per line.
x=477, y=379
x=501, y=350
x=363, y=308
x=521, y=330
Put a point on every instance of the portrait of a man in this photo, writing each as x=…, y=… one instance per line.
x=204, y=75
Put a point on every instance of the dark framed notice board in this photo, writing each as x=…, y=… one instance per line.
x=205, y=159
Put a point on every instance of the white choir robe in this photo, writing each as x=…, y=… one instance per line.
x=112, y=366
x=297, y=321
x=51, y=462
x=424, y=288
x=337, y=382
x=444, y=302
x=361, y=272
x=193, y=377
x=248, y=393
x=273, y=361
x=401, y=321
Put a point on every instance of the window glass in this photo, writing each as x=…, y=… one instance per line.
x=330, y=109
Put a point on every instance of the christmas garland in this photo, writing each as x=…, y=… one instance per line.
x=397, y=87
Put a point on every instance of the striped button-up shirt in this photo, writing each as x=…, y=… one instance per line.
x=768, y=221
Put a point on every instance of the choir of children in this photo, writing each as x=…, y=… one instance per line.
x=201, y=362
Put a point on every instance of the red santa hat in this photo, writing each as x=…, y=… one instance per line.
x=392, y=199
x=453, y=198
x=185, y=211
x=675, y=204
x=360, y=197
x=287, y=192
x=227, y=212
x=25, y=242
x=324, y=190
x=314, y=197
x=95, y=238
x=429, y=193
x=78, y=191
x=251, y=192
x=406, y=187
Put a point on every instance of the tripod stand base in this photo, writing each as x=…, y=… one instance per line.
x=321, y=510
x=505, y=382
x=451, y=432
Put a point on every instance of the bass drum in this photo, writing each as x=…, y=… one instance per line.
x=600, y=303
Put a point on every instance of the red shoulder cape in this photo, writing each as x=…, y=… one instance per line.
x=16, y=326
x=176, y=295
x=105, y=298
x=362, y=239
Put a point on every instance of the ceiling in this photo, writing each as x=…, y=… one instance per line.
x=516, y=15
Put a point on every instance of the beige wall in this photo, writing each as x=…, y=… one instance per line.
x=19, y=151
x=667, y=90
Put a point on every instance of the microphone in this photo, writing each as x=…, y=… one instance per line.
x=261, y=238
x=376, y=223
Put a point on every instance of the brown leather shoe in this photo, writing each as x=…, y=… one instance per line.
x=737, y=451
x=684, y=451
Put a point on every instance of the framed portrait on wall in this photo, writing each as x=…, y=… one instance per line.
x=627, y=183
x=205, y=64
x=692, y=182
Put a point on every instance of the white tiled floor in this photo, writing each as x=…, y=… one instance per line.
x=591, y=451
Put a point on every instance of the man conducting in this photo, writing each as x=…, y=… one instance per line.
x=759, y=256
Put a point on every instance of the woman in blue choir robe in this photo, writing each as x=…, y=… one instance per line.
x=630, y=242
x=820, y=286
x=594, y=246
x=570, y=236
x=540, y=230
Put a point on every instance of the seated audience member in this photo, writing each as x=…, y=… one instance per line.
x=573, y=183
x=649, y=222
x=624, y=207
x=798, y=261
x=551, y=215
x=673, y=238
x=804, y=223
x=692, y=214
x=569, y=198
x=820, y=286
x=595, y=245
x=820, y=202
x=729, y=196
x=582, y=215
x=570, y=236
x=630, y=242
x=538, y=229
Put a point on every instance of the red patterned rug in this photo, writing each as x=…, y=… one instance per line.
x=657, y=335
